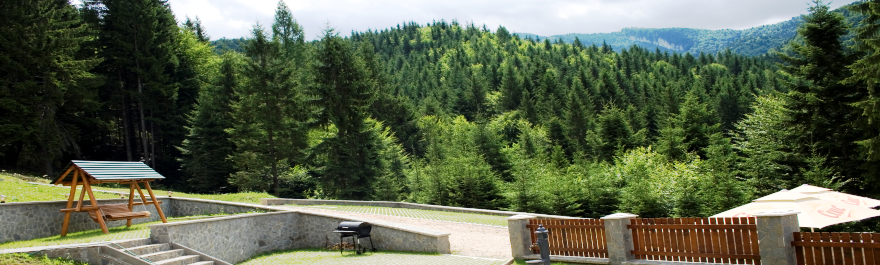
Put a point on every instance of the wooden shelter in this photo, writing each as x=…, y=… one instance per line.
x=86, y=173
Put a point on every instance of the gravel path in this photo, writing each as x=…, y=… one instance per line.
x=464, y=239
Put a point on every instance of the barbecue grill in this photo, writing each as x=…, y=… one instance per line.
x=355, y=230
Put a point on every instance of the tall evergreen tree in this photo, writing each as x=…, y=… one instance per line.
x=820, y=105
x=867, y=71
x=270, y=127
x=138, y=40
x=344, y=90
x=45, y=83
x=208, y=146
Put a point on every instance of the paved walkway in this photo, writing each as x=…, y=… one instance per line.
x=464, y=239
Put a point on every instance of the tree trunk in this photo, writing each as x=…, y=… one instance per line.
x=152, y=142
x=272, y=155
x=141, y=110
x=126, y=125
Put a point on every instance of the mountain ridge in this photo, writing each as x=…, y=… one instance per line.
x=753, y=41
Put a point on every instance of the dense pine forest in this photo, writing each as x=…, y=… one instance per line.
x=444, y=113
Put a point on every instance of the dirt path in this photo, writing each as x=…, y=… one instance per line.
x=464, y=239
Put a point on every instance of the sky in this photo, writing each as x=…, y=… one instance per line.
x=236, y=18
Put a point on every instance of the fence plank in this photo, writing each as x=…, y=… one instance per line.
x=827, y=257
x=798, y=251
x=582, y=239
x=809, y=252
x=875, y=253
x=702, y=238
x=836, y=253
x=674, y=239
x=858, y=255
x=846, y=252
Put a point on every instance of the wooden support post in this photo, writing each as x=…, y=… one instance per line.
x=82, y=192
x=155, y=202
x=98, y=212
x=130, y=201
x=69, y=201
x=141, y=192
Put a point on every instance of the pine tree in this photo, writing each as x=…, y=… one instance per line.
x=866, y=71
x=45, y=83
x=820, y=105
x=344, y=89
x=138, y=39
x=207, y=147
x=195, y=26
x=270, y=127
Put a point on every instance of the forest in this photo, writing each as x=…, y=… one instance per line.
x=443, y=113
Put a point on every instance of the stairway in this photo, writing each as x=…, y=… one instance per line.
x=162, y=254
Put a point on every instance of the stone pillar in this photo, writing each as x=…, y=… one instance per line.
x=619, y=238
x=775, y=233
x=520, y=236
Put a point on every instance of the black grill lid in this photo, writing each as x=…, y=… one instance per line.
x=361, y=228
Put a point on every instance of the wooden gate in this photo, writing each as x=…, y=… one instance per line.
x=573, y=237
x=837, y=248
x=707, y=240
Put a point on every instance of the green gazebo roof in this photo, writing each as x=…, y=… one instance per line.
x=111, y=171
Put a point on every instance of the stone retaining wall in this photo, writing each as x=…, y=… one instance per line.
x=29, y=220
x=231, y=239
x=237, y=238
x=408, y=205
x=192, y=207
x=316, y=230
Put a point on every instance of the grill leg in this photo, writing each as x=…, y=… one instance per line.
x=340, y=244
x=357, y=249
x=371, y=244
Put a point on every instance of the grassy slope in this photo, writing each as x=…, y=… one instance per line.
x=18, y=190
x=24, y=259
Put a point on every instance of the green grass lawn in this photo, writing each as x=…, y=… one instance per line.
x=472, y=218
x=322, y=256
x=18, y=190
x=25, y=259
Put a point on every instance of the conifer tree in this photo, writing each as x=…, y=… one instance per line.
x=207, y=147
x=270, y=127
x=45, y=82
x=344, y=90
x=866, y=71
x=820, y=105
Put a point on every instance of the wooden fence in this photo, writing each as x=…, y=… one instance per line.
x=837, y=248
x=573, y=237
x=707, y=240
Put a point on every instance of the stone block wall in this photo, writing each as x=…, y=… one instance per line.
x=237, y=238
x=232, y=239
x=29, y=220
x=191, y=207
x=316, y=230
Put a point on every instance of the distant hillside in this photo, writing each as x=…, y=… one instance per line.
x=222, y=45
x=754, y=41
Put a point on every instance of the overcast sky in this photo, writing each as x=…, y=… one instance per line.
x=235, y=18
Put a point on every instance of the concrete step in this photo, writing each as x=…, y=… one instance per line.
x=182, y=260
x=203, y=263
x=147, y=249
x=163, y=255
